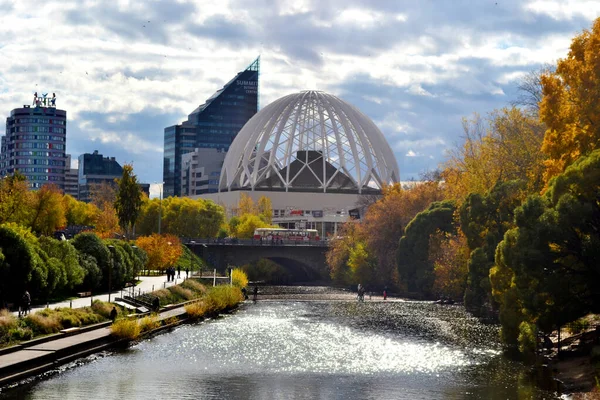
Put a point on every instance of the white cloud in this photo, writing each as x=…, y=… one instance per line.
x=565, y=9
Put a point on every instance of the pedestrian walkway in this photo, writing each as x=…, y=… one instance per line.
x=147, y=284
x=36, y=358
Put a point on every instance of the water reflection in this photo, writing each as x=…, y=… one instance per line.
x=307, y=350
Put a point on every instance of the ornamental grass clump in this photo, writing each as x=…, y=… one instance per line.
x=196, y=309
x=102, y=308
x=181, y=293
x=43, y=322
x=149, y=323
x=125, y=328
x=194, y=286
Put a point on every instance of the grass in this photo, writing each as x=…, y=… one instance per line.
x=218, y=299
x=149, y=323
x=125, y=328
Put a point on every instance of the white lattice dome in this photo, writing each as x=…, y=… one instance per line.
x=309, y=141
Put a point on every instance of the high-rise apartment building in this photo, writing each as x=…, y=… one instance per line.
x=212, y=125
x=71, y=179
x=34, y=145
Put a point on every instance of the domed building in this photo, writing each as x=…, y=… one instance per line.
x=313, y=154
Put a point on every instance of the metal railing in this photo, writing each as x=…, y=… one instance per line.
x=253, y=242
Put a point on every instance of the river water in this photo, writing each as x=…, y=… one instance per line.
x=305, y=350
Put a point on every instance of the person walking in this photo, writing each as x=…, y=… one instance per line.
x=26, y=302
x=113, y=314
x=187, y=273
x=255, y=292
x=179, y=271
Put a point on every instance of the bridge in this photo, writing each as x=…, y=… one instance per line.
x=305, y=261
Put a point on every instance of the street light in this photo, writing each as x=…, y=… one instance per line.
x=112, y=265
x=160, y=204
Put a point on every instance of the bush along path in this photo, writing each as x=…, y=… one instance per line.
x=34, y=357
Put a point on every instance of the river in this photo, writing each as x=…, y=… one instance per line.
x=293, y=349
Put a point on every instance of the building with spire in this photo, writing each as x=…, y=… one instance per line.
x=212, y=125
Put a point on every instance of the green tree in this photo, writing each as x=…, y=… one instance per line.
x=484, y=219
x=414, y=265
x=21, y=268
x=92, y=245
x=64, y=252
x=47, y=210
x=129, y=199
x=265, y=209
x=554, y=250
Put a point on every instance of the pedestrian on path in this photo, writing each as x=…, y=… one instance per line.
x=26, y=302
x=113, y=314
x=179, y=271
x=187, y=272
x=255, y=292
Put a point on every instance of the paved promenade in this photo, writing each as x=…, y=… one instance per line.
x=147, y=284
x=34, y=358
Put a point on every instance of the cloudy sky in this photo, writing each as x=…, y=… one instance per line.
x=124, y=70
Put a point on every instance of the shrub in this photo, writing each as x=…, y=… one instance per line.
x=165, y=296
x=196, y=309
x=43, y=322
x=578, y=326
x=7, y=320
x=126, y=329
x=239, y=278
x=149, y=323
x=223, y=297
x=102, y=308
x=194, y=286
x=18, y=334
x=182, y=294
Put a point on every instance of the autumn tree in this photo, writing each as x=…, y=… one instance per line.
x=14, y=195
x=245, y=205
x=163, y=250
x=106, y=221
x=450, y=256
x=47, y=210
x=338, y=254
x=502, y=147
x=101, y=193
x=265, y=209
x=385, y=220
x=128, y=199
x=570, y=108
x=78, y=212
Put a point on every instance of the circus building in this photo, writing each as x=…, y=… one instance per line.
x=314, y=155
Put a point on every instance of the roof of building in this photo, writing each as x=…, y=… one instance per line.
x=309, y=141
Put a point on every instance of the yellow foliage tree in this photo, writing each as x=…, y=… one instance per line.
x=385, y=220
x=265, y=209
x=163, y=250
x=570, y=108
x=246, y=205
x=502, y=147
x=47, y=210
x=450, y=255
x=79, y=212
x=247, y=224
x=106, y=221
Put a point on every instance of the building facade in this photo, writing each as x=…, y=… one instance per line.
x=212, y=125
x=95, y=169
x=71, y=179
x=200, y=171
x=34, y=145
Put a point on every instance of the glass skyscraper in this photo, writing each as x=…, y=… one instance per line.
x=213, y=124
x=34, y=145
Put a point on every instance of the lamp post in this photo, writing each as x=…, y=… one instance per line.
x=112, y=265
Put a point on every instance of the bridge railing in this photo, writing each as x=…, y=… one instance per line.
x=252, y=242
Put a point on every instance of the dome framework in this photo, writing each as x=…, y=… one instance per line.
x=309, y=141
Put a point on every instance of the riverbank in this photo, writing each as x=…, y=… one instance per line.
x=34, y=357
